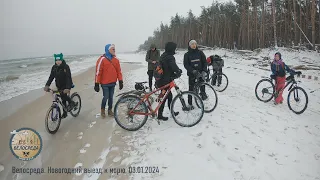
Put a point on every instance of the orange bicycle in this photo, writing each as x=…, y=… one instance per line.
x=129, y=107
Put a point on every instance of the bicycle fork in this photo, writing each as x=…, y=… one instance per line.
x=183, y=102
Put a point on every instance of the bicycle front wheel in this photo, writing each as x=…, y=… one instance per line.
x=220, y=82
x=299, y=96
x=121, y=112
x=208, y=96
x=179, y=104
x=265, y=87
x=53, y=119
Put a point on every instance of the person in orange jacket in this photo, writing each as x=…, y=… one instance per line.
x=108, y=71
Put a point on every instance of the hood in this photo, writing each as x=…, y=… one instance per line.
x=153, y=46
x=107, y=53
x=189, y=48
x=170, y=48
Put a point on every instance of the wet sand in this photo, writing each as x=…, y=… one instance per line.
x=79, y=140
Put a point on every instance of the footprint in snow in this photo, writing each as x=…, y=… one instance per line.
x=80, y=135
x=78, y=165
x=98, y=115
x=116, y=159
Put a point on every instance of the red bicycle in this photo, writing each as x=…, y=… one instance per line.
x=130, y=106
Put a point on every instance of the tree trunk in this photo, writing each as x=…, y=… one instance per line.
x=300, y=40
x=274, y=23
x=261, y=44
x=295, y=23
x=313, y=21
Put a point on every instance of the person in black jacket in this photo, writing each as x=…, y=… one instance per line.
x=195, y=62
x=170, y=72
x=60, y=71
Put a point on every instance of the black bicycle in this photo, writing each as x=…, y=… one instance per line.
x=218, y=80
x=54, y=115
x=269, y=89
x=206, y=92
x=140, y=91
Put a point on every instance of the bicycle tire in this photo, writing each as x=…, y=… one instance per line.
x=79, y=104
x=227, y=80
x=196, y=90
x=273, y=90
x=116, y=117
x=47, y=119
x=307, y=101
x=172, y=109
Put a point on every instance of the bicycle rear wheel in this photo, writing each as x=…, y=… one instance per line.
x=121, y=112
x=220, y=82
x=53, y=116
x=183, y=107
x=208, y=96
x=75, y=97
x=297, y=94
x=265, y=86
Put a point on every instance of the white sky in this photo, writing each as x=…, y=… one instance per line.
x=31, y=28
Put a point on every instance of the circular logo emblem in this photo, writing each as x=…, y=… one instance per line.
x=25, y=144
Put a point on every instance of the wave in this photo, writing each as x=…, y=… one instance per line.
x=9, y=78
x=23, y=66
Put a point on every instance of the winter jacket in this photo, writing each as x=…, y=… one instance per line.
x=152, y=56
x=169, y=66
x=62, y=75
x=194, y=59
x=279, y=68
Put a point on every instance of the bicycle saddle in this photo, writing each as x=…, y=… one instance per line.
x=141, y=82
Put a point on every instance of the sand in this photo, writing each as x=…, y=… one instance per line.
x=79, y=140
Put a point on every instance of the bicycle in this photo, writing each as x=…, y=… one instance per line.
x=55, y=111
x=142, y=106
x=294, y=88
x=220, y=77
x=203, y=89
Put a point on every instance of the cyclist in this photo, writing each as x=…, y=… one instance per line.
x=278, y=69
x=170, y=72
x=217, y=64
x=195, y=63
x=60, y=71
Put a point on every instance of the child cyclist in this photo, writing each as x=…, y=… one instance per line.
x=279, y=69
x=60, y=71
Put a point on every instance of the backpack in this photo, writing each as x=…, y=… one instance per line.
x=158, y=71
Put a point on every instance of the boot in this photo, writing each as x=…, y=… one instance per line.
x=64, y=114
x=103, y=113
x=110, y=113
x=161, y=117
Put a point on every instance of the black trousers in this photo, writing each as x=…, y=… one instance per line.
x=150, y=74
x=169, y=98
x=65, y=98
x=219, y=77
x=192, y=82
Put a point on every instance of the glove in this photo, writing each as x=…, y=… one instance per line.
x=120, y=84
x=194, y=72
x=298, y=73
x=96, y=87
x=66, y=91
x=46, y=88
x=272, y=76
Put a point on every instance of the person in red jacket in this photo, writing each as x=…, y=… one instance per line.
x=108, y=71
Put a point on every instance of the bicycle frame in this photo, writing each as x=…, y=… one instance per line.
x=146, y=99
x=292, y=81
x=56, y=100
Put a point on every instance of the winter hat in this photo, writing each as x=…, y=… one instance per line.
x=107, y=48
x=192, y=41
x=152, y=46
x=58, y=57
x=278, y=54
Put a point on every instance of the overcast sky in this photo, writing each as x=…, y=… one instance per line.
x=31, y=28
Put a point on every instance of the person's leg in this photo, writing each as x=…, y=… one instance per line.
x=220, y=76
x=170, y=97
x=191, y=87
x=214, y=78
x=105, y=91
x=281, y=85
x=110, y=102
x=150, y=74
x=64, y=102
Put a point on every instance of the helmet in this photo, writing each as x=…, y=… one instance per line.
x=138, y=86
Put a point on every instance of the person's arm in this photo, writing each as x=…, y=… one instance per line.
x=148, y=57
x=288, y=69
x=51, y=77
x=68, y=76
x=99, y=68
x=186, y=63
x=118, y=69
x=273, y=69
x=203, y=61
x=173, y=65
